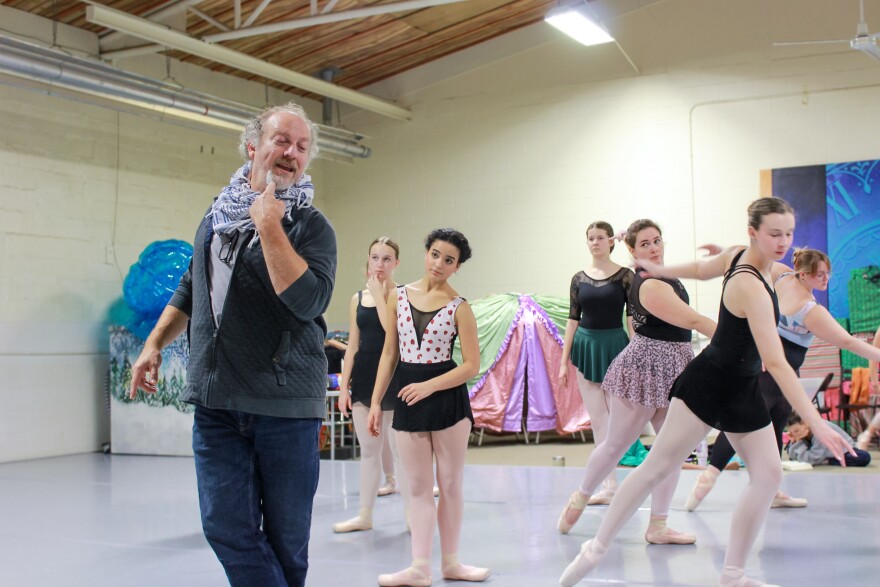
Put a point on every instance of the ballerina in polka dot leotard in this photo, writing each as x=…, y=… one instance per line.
x=432, y=415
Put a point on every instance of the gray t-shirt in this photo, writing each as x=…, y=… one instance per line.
x=224, y=252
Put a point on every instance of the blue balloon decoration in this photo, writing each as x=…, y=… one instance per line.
x=141, y=326
x=152, y=281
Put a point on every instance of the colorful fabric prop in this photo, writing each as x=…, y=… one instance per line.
x=520, y=352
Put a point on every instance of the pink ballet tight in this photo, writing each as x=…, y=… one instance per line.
x=417, y=451
x=388, y=456
x=759, y=451
x=372, y=457
x=626, y=422
x=680, y=434
x=596, y=401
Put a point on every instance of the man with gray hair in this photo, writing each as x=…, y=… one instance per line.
x=261, y=276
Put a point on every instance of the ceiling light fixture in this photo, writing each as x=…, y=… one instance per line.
x=577, y=21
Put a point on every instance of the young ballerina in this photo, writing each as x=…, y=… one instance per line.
x=368, y=318
x=801, y=319
x=594, y=334
x=432, y=414
x=639, y=379
x=719, y=388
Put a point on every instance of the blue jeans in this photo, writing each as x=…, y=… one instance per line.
x=862, y=459
x=257, y=470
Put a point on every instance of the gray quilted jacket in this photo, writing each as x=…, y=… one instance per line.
x=267, y=355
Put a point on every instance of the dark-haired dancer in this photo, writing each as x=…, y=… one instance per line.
x=719, y=389
x=368, y=318
x=801, y=319
x=432, y=416
x=594, y=334
x=639, y=379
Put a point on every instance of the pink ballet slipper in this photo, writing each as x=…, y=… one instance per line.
x=735, y=577
x=705, y=483
x=666, y=535
x=409, y=577
x=781, y=500
x=604, y=495
x=572, y=512
x=587, y=559
x=389, y=487
x=460, y=572
x=357, y=524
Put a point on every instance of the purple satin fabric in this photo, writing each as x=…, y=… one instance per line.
x=497, y=398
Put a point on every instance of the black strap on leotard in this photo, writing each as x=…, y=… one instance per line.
x=734, y=269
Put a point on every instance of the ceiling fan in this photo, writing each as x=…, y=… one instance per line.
x=863, y=41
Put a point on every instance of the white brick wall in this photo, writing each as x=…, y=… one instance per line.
x=81, y=185
x=60, y=162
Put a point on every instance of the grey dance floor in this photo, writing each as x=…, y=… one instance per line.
x=100, y=520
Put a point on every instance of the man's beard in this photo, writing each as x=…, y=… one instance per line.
x=280, y=184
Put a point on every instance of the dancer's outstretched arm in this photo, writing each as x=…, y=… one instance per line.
x=821, y=323
x=701, y=269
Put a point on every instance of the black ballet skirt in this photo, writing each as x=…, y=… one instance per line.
x=438, y=411
x=363, y=379
x=720, y=386
x=366, y=360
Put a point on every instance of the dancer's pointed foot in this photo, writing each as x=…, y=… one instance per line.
x=604, y=495
x=389, y=487
x=414, y=576
x=587, y=559
x=735, y=577
x=863, y=442
x=705, y=483
x=572, y=512
x=781, y=500
x=357, y=524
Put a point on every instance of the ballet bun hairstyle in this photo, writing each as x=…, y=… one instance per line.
x=635, y=228
x=454, y=238
x=382, y=240
x=764, y=206
x=807, y=261
x=602, y=225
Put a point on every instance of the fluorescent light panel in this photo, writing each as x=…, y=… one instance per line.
x=574, y=22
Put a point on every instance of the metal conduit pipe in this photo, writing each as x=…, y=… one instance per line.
x=55, y=68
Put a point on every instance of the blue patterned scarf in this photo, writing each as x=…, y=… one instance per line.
x=230, y=212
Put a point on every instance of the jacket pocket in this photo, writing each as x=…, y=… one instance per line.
x=281, y=358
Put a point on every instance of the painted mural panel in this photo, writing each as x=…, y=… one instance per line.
x=838, y=211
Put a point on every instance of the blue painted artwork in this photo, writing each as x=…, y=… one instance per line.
x=838, y=211
x=804, y=189
x=853, y=206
